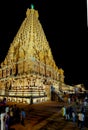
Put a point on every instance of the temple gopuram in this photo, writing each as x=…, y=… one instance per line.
x=29, y=70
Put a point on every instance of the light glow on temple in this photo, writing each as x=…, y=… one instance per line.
x=29, y=69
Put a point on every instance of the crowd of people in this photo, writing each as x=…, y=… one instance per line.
x=76, y=112
x=11, y=114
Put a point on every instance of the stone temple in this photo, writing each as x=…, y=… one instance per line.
x=29, y=70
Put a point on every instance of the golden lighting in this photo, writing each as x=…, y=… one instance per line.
x=29, y=69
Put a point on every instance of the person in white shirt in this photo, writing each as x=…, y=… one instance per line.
x=81, y=119
x=3, y=119
x=85, y=103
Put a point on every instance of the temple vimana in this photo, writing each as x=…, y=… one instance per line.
x=29, y=70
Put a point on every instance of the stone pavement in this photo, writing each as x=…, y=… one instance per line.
x=45, y=116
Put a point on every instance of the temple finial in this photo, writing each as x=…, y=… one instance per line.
x=32, y=6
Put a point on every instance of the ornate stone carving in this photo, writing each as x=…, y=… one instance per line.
x=29, y=60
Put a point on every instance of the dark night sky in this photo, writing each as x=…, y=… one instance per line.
x=64, y=24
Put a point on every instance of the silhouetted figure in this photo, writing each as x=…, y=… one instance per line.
x=23, y=115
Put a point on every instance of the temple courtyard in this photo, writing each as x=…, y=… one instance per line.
x=45, y=116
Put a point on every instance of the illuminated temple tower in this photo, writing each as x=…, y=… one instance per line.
x=29, y=69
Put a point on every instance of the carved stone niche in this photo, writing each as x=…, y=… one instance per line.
x=20, y=68
x=13, y=69
x=5, y=62
x=2, y=65
x=7, y=71
x=26, y=67
x=4, y=73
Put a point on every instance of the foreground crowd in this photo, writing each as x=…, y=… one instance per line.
x=76, y=112
x=73, y=110
x=10, y=115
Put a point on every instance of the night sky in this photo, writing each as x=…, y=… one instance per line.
x=64, y=24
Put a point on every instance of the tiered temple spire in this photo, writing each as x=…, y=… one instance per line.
x=29, y=62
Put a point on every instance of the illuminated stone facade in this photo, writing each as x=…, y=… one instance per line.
x=29, y=69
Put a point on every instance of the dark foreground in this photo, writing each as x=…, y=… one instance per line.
x=45, y=116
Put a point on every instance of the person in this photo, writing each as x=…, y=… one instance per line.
x=67, y=113
x=81, y=119
x=69, y=100
x=74, y=118
x=85, y=103
x=7, y=117
x=11, y=115
x=23, y=115
x=3, y=119
x=70, y=111
x=64, y=112
x=4, y=101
